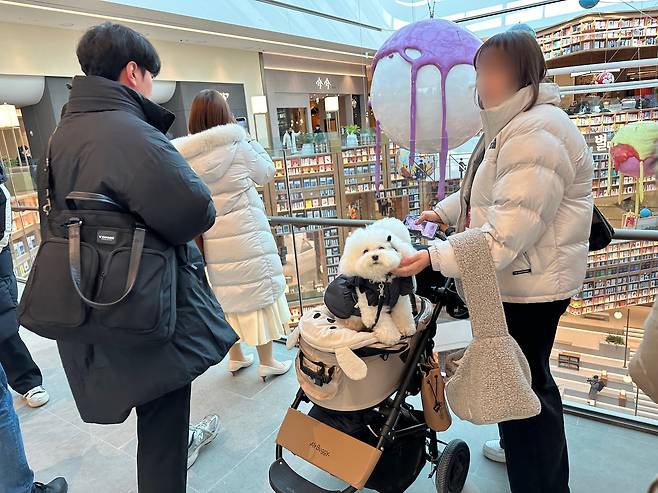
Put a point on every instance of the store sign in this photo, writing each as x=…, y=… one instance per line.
x=601, y=142
x=326, y=83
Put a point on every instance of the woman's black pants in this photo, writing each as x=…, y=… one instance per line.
x=536, y=448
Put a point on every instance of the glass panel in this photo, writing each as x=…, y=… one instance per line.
x=604, y=327
x=20, y=171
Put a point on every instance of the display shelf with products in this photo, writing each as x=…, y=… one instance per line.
x=621, y=275
x=609, y=122
x=358, y=169
x=312, y=191
x=627, y=186
x=429, y=192
x=599, y=32
x=404, y=187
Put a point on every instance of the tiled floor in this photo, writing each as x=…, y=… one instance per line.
x=102, y=458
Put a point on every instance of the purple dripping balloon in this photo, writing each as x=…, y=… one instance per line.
x=440, y=43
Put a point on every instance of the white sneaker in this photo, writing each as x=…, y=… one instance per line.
x=493, y=451
x=235, y=365
x=37, y=397
x=271, y=371
x=200, y=436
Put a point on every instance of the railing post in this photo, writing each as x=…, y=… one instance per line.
x=294, y=238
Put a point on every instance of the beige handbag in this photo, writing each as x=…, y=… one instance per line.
x=492, y=381
x=643, y=368
x=435, y=407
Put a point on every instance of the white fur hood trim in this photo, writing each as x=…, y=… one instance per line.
x=208, y=140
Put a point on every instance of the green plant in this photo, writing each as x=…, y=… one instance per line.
x=352, y=129
x=307, y=138
x=614, y=339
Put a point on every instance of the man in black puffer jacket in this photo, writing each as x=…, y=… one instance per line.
x=111, y=141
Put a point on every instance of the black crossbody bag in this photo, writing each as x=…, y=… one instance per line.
x=601, y=233
x=100, y=277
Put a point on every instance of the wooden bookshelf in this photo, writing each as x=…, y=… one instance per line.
x=599, y=32
x=599, y=129
x=358, y=164
x=312, y=191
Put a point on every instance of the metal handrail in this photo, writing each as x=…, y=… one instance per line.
x=303, y=221
x=619, y=234
x=569, y=408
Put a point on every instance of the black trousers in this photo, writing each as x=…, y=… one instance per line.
x=162, y=434
x=536, y=448
x=23, y=374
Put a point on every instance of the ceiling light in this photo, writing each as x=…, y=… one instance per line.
x=178, y=28
x=259, y=105
x=331, y=104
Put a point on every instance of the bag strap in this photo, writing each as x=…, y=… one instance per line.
x=43, y=186
x=76, y=269
x=480, y=283
x=91, y=198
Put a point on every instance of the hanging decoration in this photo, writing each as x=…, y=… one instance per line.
x=425, y=70
x=630, y=147
x=604, y=77
x=588, y=4
x=523, y=27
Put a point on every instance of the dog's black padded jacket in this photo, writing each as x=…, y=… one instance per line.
x=341, y=299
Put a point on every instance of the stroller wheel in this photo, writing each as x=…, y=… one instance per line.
x=452, y=467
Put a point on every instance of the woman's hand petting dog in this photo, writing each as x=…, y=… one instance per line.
x=412, y=265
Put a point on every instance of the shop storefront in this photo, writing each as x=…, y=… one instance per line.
x=302, y=101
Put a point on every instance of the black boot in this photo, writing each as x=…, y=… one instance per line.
x=57, y=485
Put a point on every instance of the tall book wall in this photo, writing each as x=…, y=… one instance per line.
x=598, y=130
x=623, y=274
x=599, y=32
x=608, y=284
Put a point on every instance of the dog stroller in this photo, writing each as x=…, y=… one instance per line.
x=361, y=429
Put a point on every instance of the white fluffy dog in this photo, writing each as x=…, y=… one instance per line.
x=384, y=301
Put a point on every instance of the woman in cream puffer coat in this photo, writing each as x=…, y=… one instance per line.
x=528, y=187
x=243, y=262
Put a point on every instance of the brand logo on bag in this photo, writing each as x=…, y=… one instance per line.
x=318, y=448
x=106, y=237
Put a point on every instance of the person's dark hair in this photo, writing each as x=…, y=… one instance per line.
x=209, y=109
x=104, y=51
x=524, y=56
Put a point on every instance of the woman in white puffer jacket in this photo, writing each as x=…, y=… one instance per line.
x=243, y=262
x=529, y=187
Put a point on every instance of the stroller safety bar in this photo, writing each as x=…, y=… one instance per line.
x=284, y=480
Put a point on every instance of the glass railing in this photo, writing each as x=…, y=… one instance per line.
x=323, y=191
